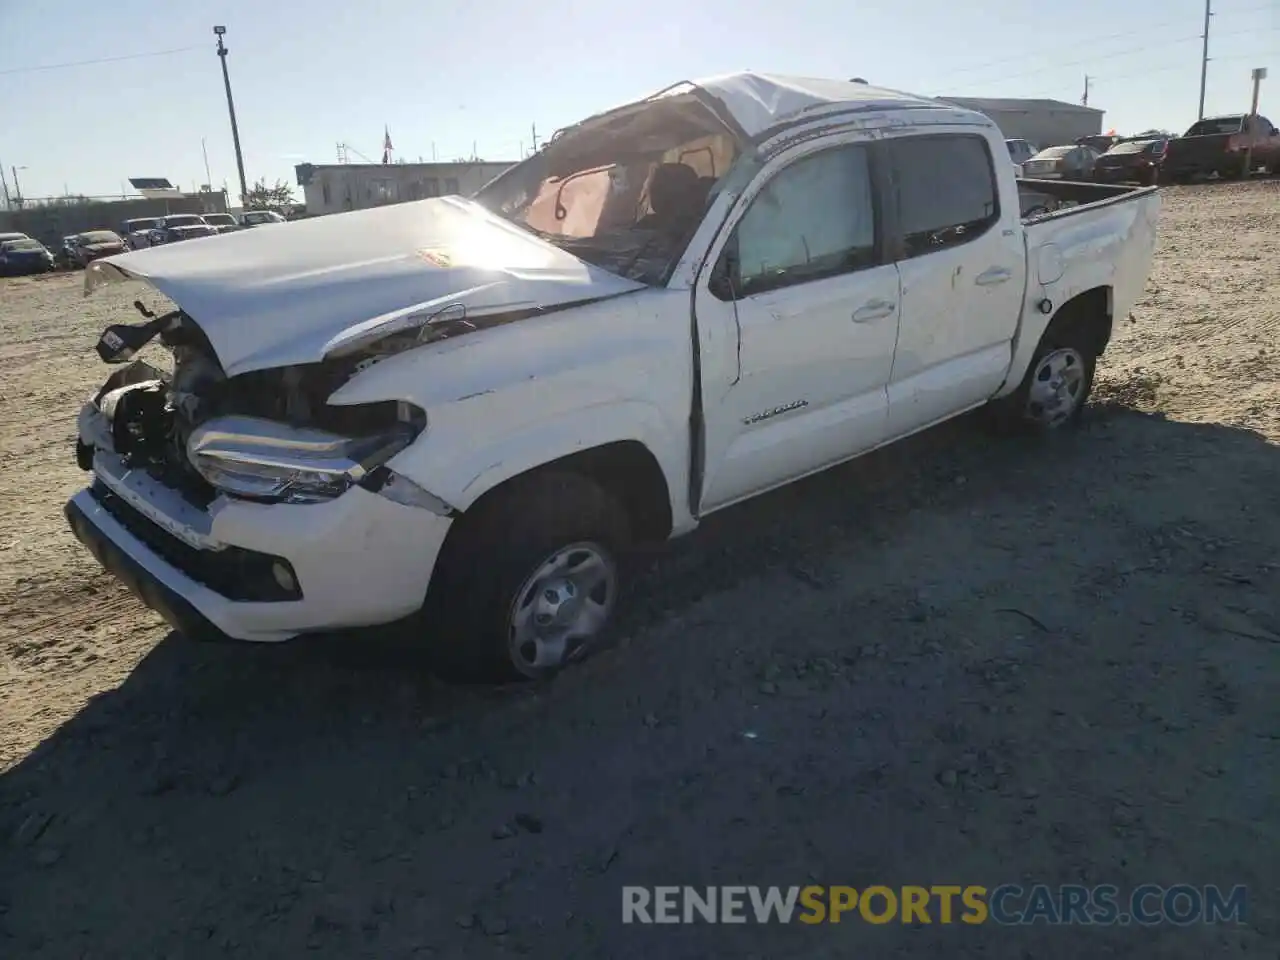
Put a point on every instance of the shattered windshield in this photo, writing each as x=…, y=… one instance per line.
x=624, y=193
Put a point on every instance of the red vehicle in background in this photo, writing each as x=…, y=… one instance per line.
x=1220, y=145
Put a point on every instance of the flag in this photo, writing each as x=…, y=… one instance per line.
x=386, y=145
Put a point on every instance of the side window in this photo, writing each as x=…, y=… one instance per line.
x=815, y=219
x=946, y=191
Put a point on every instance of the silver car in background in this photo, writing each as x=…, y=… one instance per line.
x=1068, y=162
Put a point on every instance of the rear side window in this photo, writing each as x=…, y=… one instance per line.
x=945, y=188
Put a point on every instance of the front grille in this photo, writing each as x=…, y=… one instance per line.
x=233, y=572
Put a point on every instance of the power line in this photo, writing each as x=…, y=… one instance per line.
x=90, y=63
x=1147, y=28
x=1130, y=51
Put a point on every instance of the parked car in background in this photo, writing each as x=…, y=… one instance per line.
x=18, y=257
x=65, y=256
x=1067, y=162
x=1218, y=145
x=1099, y=142
x=93, y=244
x=222, y=222
x=716, y=309
x=6, y=237
x=260, y=218
x=1020, y=151
x=1133, y=161
x=179, y=226
x=137, y=232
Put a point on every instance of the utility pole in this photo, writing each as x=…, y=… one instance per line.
x=1259, y=74
x=1084, y=101
x=534, y=130
x=5, y=184
x=208, y=177
x=1204, y=57
x=231, y=109
x=17, y=188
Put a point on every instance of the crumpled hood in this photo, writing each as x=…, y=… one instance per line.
x=294, y=292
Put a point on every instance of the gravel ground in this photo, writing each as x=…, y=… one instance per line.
x=949, y=662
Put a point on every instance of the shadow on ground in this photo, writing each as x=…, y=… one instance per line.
x=954, y=661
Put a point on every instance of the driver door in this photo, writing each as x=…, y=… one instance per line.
x=797, y=323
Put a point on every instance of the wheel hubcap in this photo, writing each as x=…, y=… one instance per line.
x=561, y=607
x=1056, y=388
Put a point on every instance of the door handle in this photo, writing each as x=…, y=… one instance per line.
x=990, y=278
x=874, y=310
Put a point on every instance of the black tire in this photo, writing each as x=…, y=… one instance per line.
x=1009, y=415
x=491, y=553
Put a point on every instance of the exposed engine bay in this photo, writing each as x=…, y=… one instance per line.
x=152, y=414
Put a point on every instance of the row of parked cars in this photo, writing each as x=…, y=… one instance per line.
x=1129, y=159
x=154, y=231
x=21, y=254
x=1228, y=147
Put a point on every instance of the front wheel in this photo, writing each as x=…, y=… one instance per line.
x=528, y=582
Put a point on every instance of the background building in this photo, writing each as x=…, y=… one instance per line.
x=49, y=220
x=1044, y=123
x=333, y=188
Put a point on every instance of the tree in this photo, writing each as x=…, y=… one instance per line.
x=262, y=197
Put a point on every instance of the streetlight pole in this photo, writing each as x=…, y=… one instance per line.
x=17, y=188
x=231, y=109
x=1204, y=56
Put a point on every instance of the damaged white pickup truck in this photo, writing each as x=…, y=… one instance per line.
x=455, y=414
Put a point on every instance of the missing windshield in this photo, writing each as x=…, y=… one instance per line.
x=625, y=192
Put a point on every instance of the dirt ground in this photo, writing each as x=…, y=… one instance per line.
x=950, y=662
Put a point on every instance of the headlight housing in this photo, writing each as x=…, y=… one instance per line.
x=260, y=459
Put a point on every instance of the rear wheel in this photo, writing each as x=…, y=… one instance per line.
x=528, y=582
x=1053, y=394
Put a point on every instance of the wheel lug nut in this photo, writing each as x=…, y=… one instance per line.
x=549, y=596
x=543, y=619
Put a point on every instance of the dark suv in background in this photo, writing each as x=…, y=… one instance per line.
x=1133, y=161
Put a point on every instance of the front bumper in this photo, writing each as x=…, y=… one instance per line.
x=359, y=560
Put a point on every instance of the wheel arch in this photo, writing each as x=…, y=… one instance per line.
x=626, y=470
x=1092, y=309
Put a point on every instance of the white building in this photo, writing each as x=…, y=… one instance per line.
x=1045, y=123
x=333, y=188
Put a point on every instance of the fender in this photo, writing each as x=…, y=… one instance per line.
x=501, y=402
x=471, y=473
x=1110, y=248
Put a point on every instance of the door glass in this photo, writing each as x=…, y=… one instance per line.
x=814, y=219
x=946, y=190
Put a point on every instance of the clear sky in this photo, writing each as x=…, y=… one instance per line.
x=443, y=76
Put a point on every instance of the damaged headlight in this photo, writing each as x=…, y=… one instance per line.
x=264, y=460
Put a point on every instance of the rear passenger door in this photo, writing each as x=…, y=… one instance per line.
x=962, y=268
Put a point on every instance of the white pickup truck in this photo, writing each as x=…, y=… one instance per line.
x=454, y=415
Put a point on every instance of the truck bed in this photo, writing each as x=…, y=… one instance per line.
x=1042, y=199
